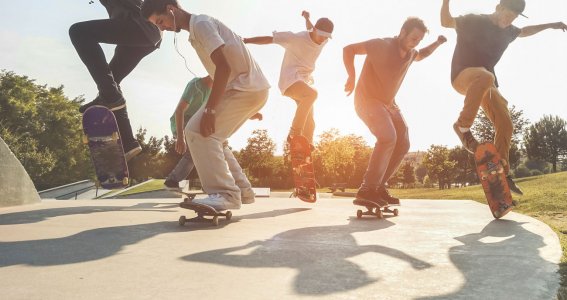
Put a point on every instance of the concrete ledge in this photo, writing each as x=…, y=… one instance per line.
x=16, y=186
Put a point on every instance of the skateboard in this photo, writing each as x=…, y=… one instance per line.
x=202, y=211
x=490, y=171
x=188, y=196
x=302, y=168
x=374, y=209
x=103, y=139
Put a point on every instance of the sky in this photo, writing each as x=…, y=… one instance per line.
x=532, y=73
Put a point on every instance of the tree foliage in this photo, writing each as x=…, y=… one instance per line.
x=440, y=166
x=547, y=140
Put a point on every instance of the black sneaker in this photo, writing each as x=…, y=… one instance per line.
x=171, y=185
x=132, y=150
x=467, y=139
x=117, y=104
x=370, y=195
x=385, y=194
x=513, y=187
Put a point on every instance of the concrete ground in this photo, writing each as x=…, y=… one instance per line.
x=276, y=248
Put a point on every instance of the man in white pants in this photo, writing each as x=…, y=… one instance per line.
x=239, y=91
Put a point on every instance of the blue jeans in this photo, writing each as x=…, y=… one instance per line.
x=182, y=169
x=390, y=129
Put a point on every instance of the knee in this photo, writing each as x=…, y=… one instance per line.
x=386, y=141
x=486, y=79
x=75, y=31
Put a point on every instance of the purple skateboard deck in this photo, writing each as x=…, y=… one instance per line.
x=107, y=154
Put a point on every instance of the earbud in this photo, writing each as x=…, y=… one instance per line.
x=171, y=11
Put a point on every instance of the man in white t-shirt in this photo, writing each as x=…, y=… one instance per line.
x=239, y=91
x=301, y=52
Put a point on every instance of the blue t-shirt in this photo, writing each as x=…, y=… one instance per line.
x=196, y=94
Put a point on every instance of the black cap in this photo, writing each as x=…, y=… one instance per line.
x=516, y=6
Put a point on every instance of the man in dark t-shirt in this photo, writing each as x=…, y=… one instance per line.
x=481, y=42
x=387, y=62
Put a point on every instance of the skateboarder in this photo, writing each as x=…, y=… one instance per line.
x=194, y=96
x=481, y=42
x=134, y=38
x=386, y=64
x=238, y=92
x=301, y=52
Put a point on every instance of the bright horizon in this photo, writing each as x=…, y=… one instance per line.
x=531, y=73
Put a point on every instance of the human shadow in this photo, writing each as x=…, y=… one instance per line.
x=502, y=262
x=35, y=216
x=319, y=254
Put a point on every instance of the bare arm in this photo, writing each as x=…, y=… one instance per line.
x=447, y=19
x=259, y=40
x=348, y=58
x=425, y=52
x=531, y=30
x=222, y=71
x=308, y=23
x=179, y=122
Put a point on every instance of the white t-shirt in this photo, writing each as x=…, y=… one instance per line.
x=301, y=53
x=206, y=34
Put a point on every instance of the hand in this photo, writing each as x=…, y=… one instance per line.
x=559, y=25
x=349, y=86
x=257, y=116
x=305, y=14
x=207, y=124
x=245, y=40
x=180, y=146
x=441, y=39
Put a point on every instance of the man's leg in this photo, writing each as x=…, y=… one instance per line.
x=208, y=152
x=305, y=96
x=475, y=84
x=180, y=172
x=246, y=192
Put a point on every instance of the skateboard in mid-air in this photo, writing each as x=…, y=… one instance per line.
x=374, y=209
x=201, y=210
x=491, y=174
x=107, y=154
x=302, y=168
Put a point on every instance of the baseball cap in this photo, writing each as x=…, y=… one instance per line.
x=324, y=27
x=516, y=6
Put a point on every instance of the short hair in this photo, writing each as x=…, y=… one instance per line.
x=150, y=7
x=413, y=22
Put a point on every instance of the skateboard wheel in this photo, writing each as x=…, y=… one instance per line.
x=359, y=213
x=379, y=214
x=125, y=181
x=216, y=221
x=85, y=139
x=396, y=212
x=228, y=215
x=182, y=220
x=115, y=136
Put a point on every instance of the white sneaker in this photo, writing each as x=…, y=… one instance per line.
x=218, y=202
x=248, y=196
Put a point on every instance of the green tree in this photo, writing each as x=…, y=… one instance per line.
x=257, y=158
x=149, y=163
x=465, y=166
x=547, y=140
x=439, y=166
x=484, y=131
x=43, y=129
x=420, y=173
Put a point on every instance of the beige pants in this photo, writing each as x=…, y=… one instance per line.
x=478, y=85
x=211, y=158
x=303, y=122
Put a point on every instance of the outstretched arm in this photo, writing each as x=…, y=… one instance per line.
x=531, y=30
x=348, y=58
x=259, y=40
x=308, y=23
x=447, y=19
x=425, y=52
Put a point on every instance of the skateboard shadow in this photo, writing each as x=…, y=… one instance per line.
x=35, y=216
x=319, y=254
x=502, y=262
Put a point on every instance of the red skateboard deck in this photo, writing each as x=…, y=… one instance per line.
x=302, y=168
x=490, y=171
x=103, y=138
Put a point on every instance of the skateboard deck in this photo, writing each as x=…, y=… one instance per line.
x=374, y=209
x=302, y=168
x=202, y=211
x=103, y=139
x=491, y=174
x=188, y=196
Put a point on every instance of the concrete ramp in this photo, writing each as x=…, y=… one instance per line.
x=16, y=186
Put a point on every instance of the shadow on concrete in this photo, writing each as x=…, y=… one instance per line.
x=320, y=255
x=502, y=262
x=35, y=216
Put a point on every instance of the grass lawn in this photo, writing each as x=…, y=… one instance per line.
x=154, y=185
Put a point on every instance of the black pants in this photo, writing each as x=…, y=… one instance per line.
x=132, y=45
